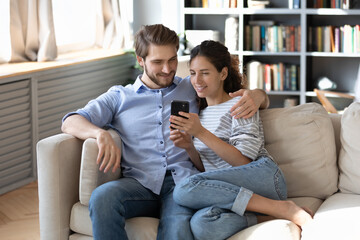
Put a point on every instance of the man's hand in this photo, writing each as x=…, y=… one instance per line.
x=109, y=154
x=250, y=102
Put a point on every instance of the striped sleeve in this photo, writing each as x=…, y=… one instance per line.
x=246, y=136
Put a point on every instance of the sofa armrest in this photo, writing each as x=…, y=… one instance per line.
x=58, y=165
x=90, y=176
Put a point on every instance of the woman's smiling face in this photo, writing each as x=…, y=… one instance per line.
x=206, y=80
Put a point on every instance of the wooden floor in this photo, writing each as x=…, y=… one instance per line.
x=19, y=214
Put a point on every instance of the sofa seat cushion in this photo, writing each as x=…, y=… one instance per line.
x=349, y=159
x=77, y=236
x=274, y=229
x=80, y=223
x=310, y=202
x=301, y=139
x=337, y=218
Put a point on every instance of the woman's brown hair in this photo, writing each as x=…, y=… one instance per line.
x=219, y=56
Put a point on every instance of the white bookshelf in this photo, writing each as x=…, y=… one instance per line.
x=340, y=67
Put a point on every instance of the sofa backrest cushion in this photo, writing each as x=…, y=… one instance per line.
x=301, y=140
x=349, y=159
x=90, y=176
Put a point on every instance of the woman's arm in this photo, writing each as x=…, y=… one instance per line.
x=192, y=126
x=225, y=151
x=250, y=102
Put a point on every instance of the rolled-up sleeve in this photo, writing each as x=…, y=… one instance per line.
x=98, y=111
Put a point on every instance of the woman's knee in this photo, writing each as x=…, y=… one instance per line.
x=183, y=191
x=180, y=191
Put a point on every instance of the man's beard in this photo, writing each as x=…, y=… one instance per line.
x=156, y=81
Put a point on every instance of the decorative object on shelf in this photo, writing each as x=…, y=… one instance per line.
x=357, y=87
x=257, y=4
x=324, y=83
x=195, y=37
x=321, y=95
x=290, y=102
x=232, y=33
x=294, y=4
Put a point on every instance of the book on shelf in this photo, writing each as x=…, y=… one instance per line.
x=272, y=77
x=338, y=39
x=257, y=4
x=211, y=3
x=341, y=4
x=272, y=38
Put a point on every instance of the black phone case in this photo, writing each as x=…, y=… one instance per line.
x=179, y=106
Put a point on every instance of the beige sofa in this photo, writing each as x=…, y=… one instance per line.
x=319, y=154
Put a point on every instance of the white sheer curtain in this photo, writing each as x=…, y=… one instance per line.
x=27, y=27
x=27, y=31
x=114, y=24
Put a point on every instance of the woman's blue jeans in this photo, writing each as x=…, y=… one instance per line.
x=221, y=197
x=113, y=202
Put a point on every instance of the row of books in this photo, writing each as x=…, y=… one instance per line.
x=211, y=3
x=342, y=4
x=275, y=38
x=273, y=77
x=345, y=39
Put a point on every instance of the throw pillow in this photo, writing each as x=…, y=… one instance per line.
x=349, y=159
x=301, y=140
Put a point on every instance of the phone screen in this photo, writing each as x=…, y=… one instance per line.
x=179, y=106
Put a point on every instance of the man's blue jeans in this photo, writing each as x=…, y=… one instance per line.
x=113, y=202
x=221, y=197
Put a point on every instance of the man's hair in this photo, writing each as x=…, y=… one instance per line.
x=156, y=34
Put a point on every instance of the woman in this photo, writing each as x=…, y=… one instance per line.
x=241, y=179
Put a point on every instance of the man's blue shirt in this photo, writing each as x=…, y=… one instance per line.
x=141, y=116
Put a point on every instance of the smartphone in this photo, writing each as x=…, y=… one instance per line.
x=179, y=106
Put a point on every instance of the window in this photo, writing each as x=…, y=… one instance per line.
x=75, y=23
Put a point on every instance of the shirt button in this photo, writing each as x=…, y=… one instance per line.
x=164, y=164
x=173, y=170
x=160, y=123
x=163, y=155
x=161, y=142
x=160, y=106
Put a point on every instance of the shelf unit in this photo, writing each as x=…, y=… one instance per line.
x=342, y=68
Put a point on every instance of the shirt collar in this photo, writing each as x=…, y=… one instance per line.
x=138, y=84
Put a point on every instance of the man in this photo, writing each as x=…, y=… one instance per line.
x=151, y=164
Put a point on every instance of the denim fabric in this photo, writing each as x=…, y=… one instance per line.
x=221, y=196
x=113, y=202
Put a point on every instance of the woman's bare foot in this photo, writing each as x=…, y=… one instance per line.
x=298, y=215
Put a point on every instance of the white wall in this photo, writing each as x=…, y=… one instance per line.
x=166, y=12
